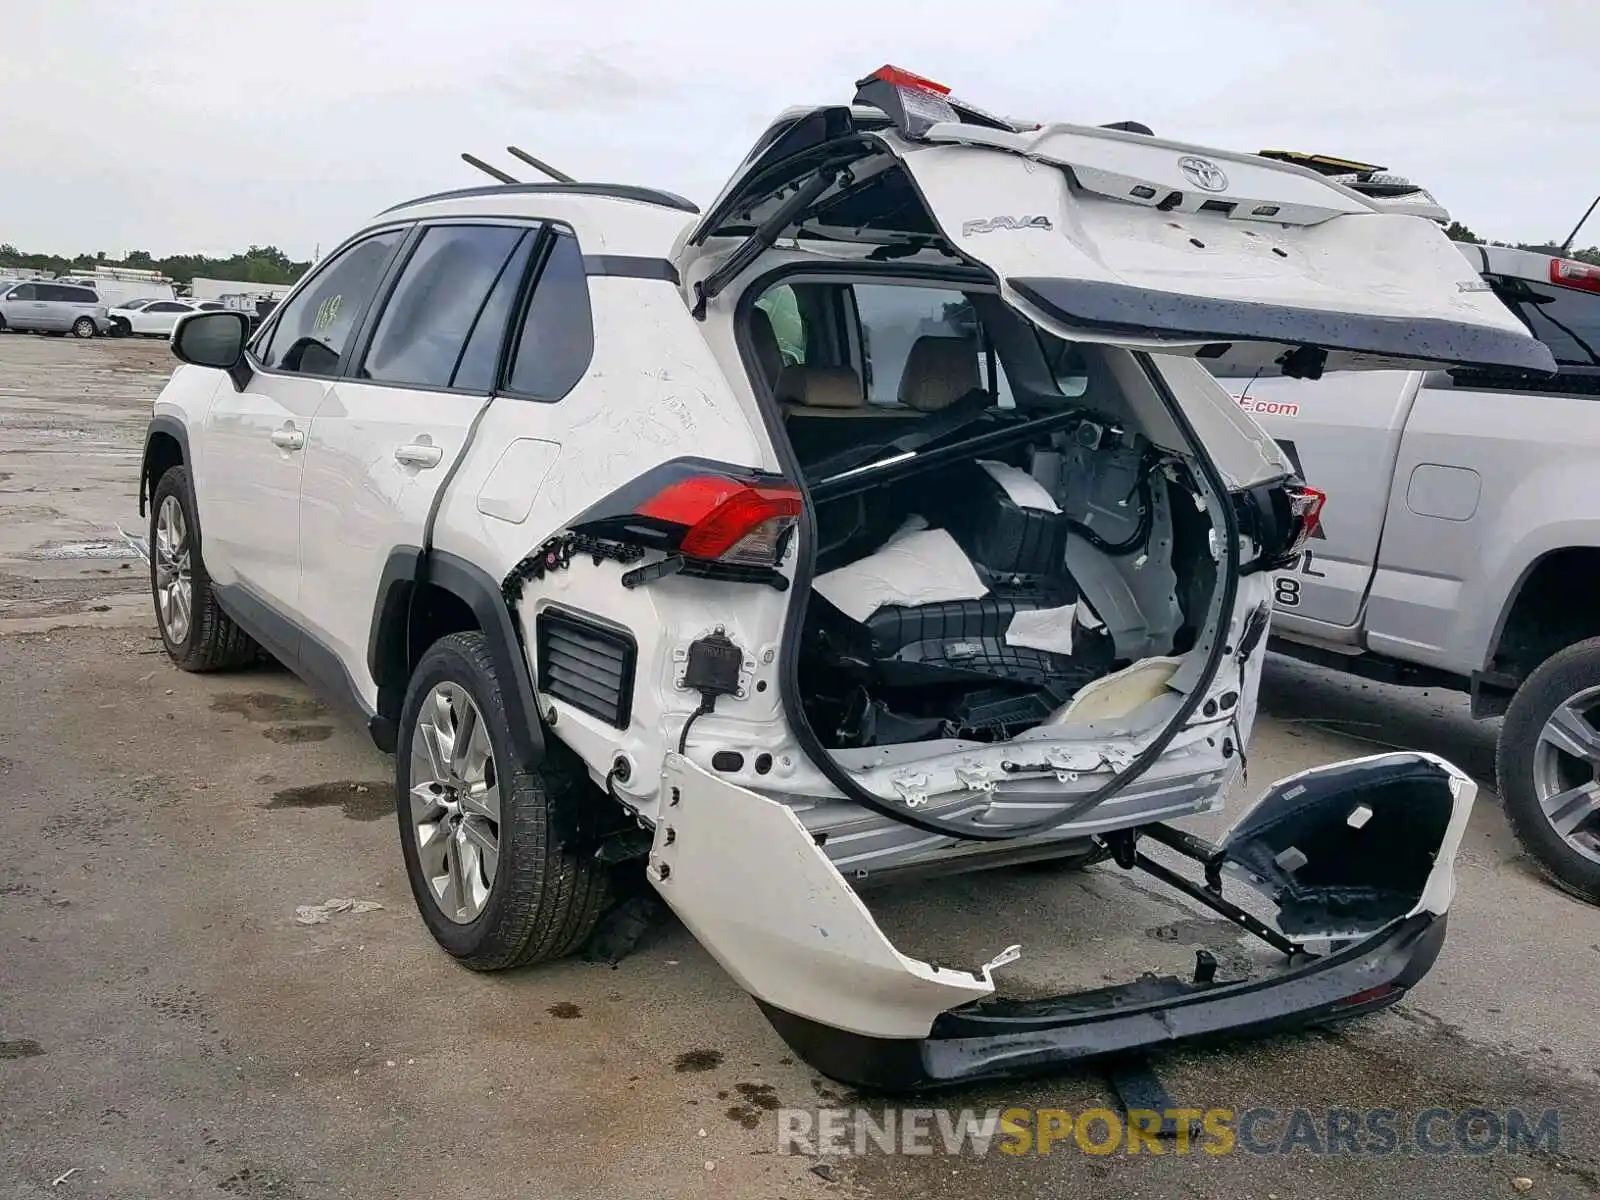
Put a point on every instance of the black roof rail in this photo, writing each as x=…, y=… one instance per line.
x=615, y=191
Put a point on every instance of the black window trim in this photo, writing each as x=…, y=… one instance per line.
x=391, y=280
x=264, y=335
x=537, y=261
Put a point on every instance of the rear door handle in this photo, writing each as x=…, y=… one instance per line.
x=418, y=454
x=288, y=438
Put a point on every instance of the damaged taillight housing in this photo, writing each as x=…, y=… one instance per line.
x=1280, y=518
x=703, y=512
x=727, y=519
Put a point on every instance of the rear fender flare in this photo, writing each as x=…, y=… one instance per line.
x=388, y=655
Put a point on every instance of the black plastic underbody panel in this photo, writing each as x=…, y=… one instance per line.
x=1122, y=308
x=997, y=1039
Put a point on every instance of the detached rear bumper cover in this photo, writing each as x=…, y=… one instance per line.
x=1361, y=853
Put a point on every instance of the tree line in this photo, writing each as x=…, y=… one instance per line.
x=258, y=264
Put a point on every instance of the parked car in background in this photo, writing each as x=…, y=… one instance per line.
x=155, y=318
x=41, y=306
x=1461, y=548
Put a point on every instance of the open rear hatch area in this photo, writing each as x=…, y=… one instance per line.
x=1023, y=543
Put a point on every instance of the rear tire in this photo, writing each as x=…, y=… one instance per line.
x=494, y=883
x=198, y=635
x=1548, y=763
x=84, y=327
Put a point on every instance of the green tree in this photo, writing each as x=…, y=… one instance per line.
x=1457, y=232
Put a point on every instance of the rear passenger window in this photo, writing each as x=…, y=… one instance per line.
x=556, y=340
x=921, y=347
x=444, y=288
x=1565, y=319
x=311, y=334
x=481, y=358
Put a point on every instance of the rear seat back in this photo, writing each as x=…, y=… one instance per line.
x=938, y=372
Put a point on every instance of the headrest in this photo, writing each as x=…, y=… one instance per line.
x=938, y=372
x=765, y=341
x=820, y=387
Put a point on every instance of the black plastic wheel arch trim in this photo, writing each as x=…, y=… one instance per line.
x=481, y=594
x=789, y=652
x=175, y=429
x=1124, y=309
x=990, y=1039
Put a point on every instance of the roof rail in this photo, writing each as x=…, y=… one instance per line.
x=614, y=191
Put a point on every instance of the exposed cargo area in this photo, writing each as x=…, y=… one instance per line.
x=995, y=531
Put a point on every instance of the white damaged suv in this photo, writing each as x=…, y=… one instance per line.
x=880, y=520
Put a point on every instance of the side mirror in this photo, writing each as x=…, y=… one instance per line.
x=213, y=339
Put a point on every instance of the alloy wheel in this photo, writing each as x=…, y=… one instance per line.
x=455, y=802
x=174, y=585
x=1566, y=772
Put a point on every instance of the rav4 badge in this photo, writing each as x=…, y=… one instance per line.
x=990, y=224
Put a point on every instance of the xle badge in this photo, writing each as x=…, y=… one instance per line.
x=990, y=224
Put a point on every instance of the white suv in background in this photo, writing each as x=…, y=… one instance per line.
x=967, y=565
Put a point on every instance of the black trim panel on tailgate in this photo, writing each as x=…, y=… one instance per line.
x=1138, y=311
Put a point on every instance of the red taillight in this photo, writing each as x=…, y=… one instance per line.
x=900, y=78
x=1306, y=504
x=1570, y=273
x=726, y=519
x=1305, y=513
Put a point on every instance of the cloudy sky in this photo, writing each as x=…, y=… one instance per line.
x=197, y=125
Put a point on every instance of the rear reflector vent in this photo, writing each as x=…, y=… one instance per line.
x=586, y=663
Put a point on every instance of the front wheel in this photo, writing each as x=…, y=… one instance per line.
x=84, y=327
x=491, y=876
x=1548, y=763
x=198, y=635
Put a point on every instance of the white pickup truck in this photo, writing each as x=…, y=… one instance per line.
x=1460, y=543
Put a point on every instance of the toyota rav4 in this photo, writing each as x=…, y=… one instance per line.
x=879, y=520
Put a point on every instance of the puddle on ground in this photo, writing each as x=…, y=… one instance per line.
x=359, y=800
x=698, y=1060
x=20, y=1048
x=294, y=735
x=266, y=706
x=565, y=1010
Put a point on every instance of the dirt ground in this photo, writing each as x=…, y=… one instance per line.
x=167, y=1028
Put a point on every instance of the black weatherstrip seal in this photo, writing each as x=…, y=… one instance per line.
x=1144, y=312
x=630, y=266
x=800, y=591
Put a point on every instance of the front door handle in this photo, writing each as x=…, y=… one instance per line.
x=418, y=454
x=288, y=438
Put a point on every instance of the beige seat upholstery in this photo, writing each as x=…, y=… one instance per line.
x=938, y=372
x=765, y=341
x=820, y=391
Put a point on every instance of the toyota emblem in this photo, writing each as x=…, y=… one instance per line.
x=1203, y=173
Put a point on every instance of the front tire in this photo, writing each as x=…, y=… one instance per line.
x=1548, y=763
x=84, y=327
x=494, y=883
x=198, y=635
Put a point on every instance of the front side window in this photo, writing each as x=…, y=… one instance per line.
x=24, y=291
x=556, y=341
x=314, y=329
x=131, y=305
x=423, y=333
x=166, y=306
